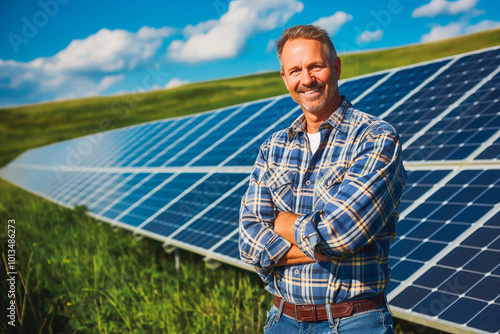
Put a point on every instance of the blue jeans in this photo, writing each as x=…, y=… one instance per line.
x=376, y=321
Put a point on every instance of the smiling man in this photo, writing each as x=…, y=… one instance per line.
x=321, y=208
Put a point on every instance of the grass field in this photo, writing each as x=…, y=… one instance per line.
x=78, y=275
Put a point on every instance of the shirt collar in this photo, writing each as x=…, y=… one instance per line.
x=336, y=119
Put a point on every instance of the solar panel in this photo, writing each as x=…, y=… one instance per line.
x=181, y=181
x=397, y=85
x=358, y=86
x=444, y=93
x=459, y=284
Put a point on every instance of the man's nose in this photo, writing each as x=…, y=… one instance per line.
x=307, y=79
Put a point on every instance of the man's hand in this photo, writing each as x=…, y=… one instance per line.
x=294, y=256
x=284, y=225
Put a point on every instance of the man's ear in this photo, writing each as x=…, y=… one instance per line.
x=337, y=68
x=284, y=79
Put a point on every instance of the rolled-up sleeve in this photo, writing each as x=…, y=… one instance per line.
x=259, y=245
x=364, y=201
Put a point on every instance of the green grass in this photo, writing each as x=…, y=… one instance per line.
x=76, y=274
x=30, y=126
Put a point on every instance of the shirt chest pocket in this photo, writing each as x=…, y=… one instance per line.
x=327, y=185
x=280, y=183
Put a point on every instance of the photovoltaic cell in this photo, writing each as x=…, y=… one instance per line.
x=167, y=137
x=418, y=183
x=396, y=87
x=93, y=182
x=193, y=203
x=215, y=224
x=223, y=129
x=123, y=185
x=64, y=183
x=464, y=277
x=247, y=156
x=121, y=146
x=110, y=181
x=37, y=180
x=134, y=194
x=162, y=133
x=355, y=87
x=463, y=130
x=492, y=152
x=161, y=157
x=434, y=98
x=429, y=227
x=135, y=144
x=156, y=198
x=229, y=247
x=254, y=128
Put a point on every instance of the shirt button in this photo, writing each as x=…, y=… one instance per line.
x=296, y=272
x=308, y=183
x=273, y=185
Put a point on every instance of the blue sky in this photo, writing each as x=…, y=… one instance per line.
x=61, y=49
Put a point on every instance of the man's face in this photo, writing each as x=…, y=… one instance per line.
x=309, y=76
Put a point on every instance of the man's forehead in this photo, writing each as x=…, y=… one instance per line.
x=301, y=42
x=299, y=50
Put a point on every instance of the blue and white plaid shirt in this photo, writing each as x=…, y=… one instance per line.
x=346, y=194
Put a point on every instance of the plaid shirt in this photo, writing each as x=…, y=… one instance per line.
x=346, y=194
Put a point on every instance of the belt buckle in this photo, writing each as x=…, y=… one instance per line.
x=296, y=315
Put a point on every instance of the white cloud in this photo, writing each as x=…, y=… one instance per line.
x=85, y=67
x=108, y=50
x=176, y=82
x=370, y=36
x=441, y=32
x=226, y=37
x=270, y=45
x=453, y=29
x=444, y=7
x=483, y=25
x=199, y=28
x=108, y=81
x=148, y=33
x=451, y=8
x=333, y=23
x=88, y=87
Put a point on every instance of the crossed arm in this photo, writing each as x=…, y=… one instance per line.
x=283, y=225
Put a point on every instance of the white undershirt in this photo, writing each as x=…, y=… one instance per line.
x=314, y=139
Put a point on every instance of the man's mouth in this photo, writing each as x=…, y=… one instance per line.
x=312, y=91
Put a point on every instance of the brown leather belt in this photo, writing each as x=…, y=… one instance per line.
x=314, y=313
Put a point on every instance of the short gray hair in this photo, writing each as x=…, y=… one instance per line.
x=307, y=32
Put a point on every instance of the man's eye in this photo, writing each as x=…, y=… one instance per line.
x=295, y=73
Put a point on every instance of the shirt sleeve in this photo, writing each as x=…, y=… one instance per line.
x=259, y=245
x=365, y=200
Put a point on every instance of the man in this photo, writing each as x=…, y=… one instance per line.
x=321, y=209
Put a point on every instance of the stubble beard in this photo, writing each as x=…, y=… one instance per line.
x=313, y=105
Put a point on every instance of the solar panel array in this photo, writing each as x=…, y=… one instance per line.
x=181, y=180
